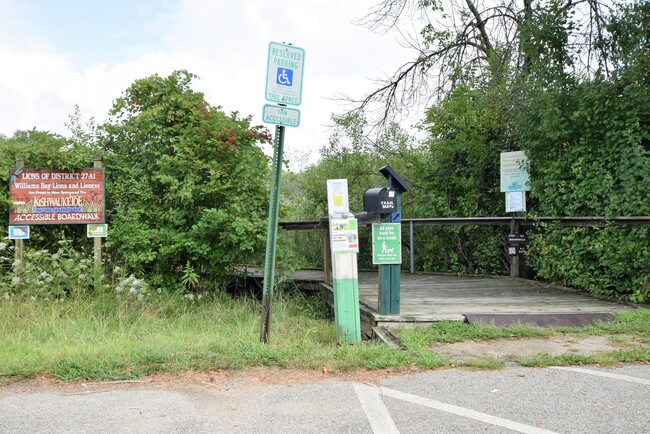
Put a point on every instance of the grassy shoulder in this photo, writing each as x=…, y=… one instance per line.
x=102, y=337
x=629, y=332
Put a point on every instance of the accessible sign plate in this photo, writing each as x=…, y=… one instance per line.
x=284, y=74
x=18, y=232
x=285, y=116
x=386, y=243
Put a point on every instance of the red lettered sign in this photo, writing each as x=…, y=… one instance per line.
x=44, y=196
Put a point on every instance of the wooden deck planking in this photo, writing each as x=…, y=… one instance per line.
x=427, y=298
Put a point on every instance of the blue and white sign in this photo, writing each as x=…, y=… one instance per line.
x=284, y=74
x=18, y=232
x=285, y=116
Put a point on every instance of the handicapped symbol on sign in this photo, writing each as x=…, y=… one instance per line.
x=284, y=76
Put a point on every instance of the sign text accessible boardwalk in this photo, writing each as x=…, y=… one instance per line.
x=45, y=196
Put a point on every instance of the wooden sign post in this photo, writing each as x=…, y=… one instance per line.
x=344, y=242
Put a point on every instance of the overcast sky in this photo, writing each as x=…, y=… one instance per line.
x=55, y=54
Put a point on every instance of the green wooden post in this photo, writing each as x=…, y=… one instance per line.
x=271, y=236
x=346, y=298
x=389, y=275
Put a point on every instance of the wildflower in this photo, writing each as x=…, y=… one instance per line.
x=15, y=281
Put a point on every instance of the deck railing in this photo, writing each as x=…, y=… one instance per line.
x=514, y=222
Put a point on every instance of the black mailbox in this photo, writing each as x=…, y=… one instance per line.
x=380, y=200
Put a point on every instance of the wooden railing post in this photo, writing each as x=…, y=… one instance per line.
x=19, y=246
x=97, y=248
x=327, y=256
x=514, y=259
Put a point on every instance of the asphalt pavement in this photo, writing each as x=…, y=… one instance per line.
x=586, y=399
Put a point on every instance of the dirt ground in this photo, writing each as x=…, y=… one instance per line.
x=508, y=350
x=511, y=350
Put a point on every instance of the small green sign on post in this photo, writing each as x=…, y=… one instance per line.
x=97, y=230
x=386, y=243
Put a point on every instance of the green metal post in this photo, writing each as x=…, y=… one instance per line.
x=271, y=236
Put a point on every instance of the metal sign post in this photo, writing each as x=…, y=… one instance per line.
x=271, y=236
x=283, y=85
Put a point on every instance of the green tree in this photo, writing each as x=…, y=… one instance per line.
x=589, y=146
x=350, y=155
x=186, y=182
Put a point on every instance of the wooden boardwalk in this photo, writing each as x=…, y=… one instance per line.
x=427, y=298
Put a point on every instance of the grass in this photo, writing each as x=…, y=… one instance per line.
x=100, y=338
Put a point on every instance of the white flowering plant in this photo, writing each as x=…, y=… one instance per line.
x=47, y=274
x=131, y=287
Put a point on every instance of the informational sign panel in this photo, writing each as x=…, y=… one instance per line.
x=515, y=201
x=344, y=235
x=517, y=244
x=46, y=196
x=285, y=116
x=97, y=230
x=284, y=74
x=337, y=197
x=386, y=243
x=514, y=172
x=18, y=232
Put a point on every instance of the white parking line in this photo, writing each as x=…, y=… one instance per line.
x=604, y=374
x=366, y=391
x=375, y=410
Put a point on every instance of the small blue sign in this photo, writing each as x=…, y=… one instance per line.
x=18, y=232
x=284, y=77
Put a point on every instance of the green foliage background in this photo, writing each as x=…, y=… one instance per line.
x=186, y=182
x=587, y=138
